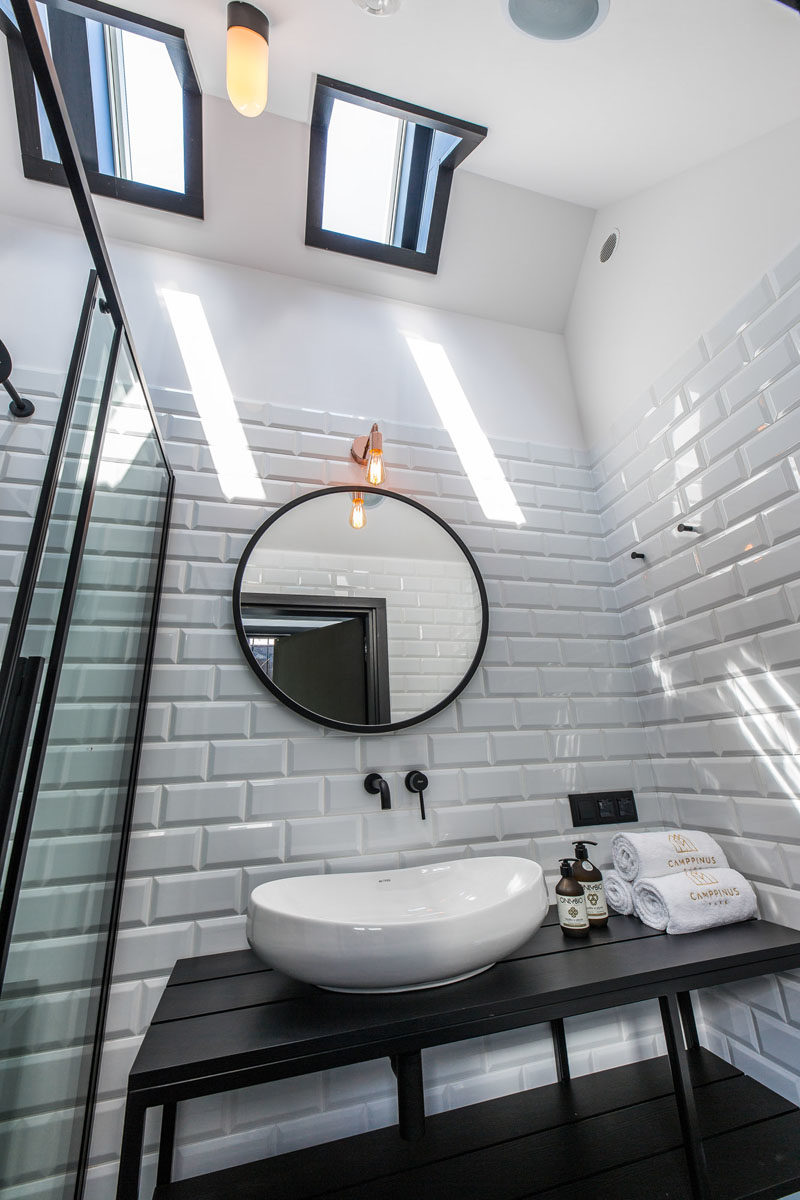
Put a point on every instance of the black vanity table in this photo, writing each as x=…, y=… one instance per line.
x=684, y=1125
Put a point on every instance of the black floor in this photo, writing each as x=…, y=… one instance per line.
x=613, y=1135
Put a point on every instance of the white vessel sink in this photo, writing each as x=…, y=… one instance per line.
x=393, y=931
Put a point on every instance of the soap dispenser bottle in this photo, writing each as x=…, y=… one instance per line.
x=571, y=903
x=591, y=880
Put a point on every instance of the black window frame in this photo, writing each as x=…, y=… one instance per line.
x=187, y=203
x=326, y=93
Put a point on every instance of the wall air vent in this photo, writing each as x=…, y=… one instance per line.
x=609, y=246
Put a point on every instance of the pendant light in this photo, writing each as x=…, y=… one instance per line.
x=248, y=58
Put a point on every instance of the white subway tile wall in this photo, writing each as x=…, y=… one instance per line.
x=236, y=789
x=711, y=622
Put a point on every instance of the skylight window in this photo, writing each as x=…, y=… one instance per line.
x=361, y=170
x=133, y=100
x=147, y=111
x=379, y=175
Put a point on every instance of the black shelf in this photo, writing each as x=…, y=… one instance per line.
x=613, y=1135
x=227, y=1021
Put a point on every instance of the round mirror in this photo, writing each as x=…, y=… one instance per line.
x=361, y=610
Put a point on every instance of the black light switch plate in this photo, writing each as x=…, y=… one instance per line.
x=602, y=808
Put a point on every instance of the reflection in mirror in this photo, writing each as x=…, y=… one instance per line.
x=363, y=628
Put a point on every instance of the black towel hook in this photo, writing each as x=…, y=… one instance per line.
x=19, y=406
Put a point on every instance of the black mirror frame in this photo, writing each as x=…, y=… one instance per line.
x=347, y=727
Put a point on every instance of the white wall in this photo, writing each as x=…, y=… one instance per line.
x=508, y=254
x=288, y=342
x=687, y=248
x=712, y=622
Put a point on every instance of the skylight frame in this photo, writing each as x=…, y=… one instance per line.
x=470, y=136
x=188, y=202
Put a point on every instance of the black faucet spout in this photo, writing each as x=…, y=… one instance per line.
x=374, y=784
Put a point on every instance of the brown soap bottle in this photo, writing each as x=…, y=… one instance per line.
x=571, y=903
x=591, y=880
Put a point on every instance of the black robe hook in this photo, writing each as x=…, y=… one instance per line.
x=19, y=406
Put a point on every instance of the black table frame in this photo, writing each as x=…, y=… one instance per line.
x=298, y=1029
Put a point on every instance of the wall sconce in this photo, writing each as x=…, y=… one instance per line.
x=368, y=452
x=248, y=59
x=358, y=518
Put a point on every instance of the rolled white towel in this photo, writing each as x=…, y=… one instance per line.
x=619, y=893
x=694, y=900
x=646, y=855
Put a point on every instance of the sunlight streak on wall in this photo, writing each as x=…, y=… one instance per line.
x=233, y=461
x=471, y=443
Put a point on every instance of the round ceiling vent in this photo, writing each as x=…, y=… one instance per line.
x=609, y=246
x=558, y=20
x=379, y=8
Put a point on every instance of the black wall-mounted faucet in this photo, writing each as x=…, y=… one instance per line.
x=374, y=784
x=416, y=781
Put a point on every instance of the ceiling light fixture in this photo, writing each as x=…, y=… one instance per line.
x=368, y=452
x=379, y=8
x=558, y=20
x=248, y=59
x=358, y=518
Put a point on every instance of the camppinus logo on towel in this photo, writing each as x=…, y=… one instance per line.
x=681, y=844
x=687, y=855
x=711, y=893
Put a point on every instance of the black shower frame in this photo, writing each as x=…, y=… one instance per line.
x=102, y=289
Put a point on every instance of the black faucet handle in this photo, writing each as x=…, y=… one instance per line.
x=375, y=783
x=417, y=781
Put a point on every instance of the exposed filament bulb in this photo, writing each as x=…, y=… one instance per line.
x=375, y=471
x=358, y=518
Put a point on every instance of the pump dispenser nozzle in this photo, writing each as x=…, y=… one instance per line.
x=566, y=867
x=580, y=849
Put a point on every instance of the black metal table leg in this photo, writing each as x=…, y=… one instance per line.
x=410, y=1095
x=684, y=1097
x=130, y=1159
x=166, y=1145
x=687, y=1020
x=560, y=1049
